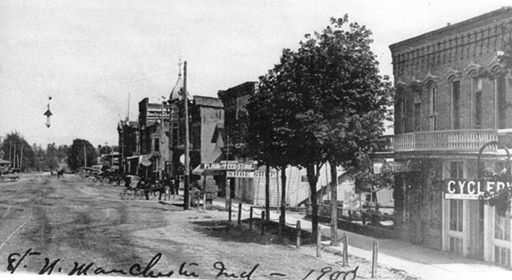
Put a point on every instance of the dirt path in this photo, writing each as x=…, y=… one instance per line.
x=70, y=220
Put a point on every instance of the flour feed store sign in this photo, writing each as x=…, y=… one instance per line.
x=472, y=189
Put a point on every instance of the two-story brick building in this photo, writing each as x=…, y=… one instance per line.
x=452, y=98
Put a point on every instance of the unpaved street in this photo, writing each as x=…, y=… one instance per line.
x=69, y=220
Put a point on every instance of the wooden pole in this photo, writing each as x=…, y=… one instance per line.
x=186, y=195
x=298, y=234
x=204, y=193
x=239, y=214
x=318, y=242
x=345, y=250
x=85, y=157
x=229, y=211
x=375, y=253
x=21, y=157
x=334, y=203
x=262, y=222
x=250, y=219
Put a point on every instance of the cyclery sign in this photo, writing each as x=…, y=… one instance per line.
x=472, y=189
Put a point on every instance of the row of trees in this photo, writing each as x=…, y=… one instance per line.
x=324, y=102
x=33, y=157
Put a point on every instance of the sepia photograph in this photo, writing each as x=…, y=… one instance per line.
x=279, y=140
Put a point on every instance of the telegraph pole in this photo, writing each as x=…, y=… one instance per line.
x=186, y=196
x=85, y=157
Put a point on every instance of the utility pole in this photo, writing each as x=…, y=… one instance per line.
x=85, y=158
x=21, y=156
x=228, y=181
x=186, y=196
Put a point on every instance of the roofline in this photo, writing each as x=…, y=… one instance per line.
x=502, y=10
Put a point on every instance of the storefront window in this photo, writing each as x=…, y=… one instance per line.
x=501, y=227
x=456, y=215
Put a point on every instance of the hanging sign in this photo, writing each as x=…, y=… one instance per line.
x=472, y=189
x=393, y=167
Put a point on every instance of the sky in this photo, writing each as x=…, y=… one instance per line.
x=97, y=59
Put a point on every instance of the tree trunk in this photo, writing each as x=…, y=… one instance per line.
x=334, y=203
x=267, y=192
x=282, y=218
x=313, y=178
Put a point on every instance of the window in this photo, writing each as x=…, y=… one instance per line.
x=476, y=88
x=433, y=109
x=455, y=88
x=401, y=109
x=417, y=112
x=174, y=134
x=501, y=102
x=501, y=227
x=456, y=215
x=157, y=144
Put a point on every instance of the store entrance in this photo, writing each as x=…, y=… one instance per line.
x=476, y=229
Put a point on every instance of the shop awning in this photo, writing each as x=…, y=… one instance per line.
x=146, y=159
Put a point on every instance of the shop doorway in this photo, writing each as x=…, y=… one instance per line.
x=476, y=229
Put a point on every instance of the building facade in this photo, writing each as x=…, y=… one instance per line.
x=453, y=122
x=128, y=132
x=205, y=114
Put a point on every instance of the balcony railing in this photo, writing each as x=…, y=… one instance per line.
x=470, y=140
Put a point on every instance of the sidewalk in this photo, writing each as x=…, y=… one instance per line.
x=421, y=262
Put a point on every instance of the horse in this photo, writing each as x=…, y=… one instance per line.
x=60, y=173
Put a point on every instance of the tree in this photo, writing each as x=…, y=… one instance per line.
x=18, y=151
x=268, y=133
x=328, y=102
x=75, y=156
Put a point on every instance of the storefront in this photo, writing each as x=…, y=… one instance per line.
x=472, y=227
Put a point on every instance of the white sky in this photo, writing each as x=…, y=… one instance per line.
x=89, y=55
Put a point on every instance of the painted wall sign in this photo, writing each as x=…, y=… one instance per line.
x=250, y=174
x=472, y=189
x=393, y=167
x=229, y=166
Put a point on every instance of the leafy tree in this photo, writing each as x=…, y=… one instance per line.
x=325, y=102
x=75, y=156
x=268, y=135
x=18, y=151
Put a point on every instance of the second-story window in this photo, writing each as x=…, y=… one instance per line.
x=417, y=112
x=501, y=101
x=476, y=88
x=455, y=106
x=156, y=145
x=432, y=106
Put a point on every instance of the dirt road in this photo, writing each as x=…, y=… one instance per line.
x=70, y=226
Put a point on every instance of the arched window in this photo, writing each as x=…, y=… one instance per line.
x=432, y=100
x=455, y=103
x=476, y=100
x=501, y=101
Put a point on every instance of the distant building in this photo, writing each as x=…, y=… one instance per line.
x=128, y=132
x=153, y=139
x=452, y=106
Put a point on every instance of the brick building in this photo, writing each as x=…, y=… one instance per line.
x=153, y=139
x=205, y=113
x=452, y=98
x=128, y=132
